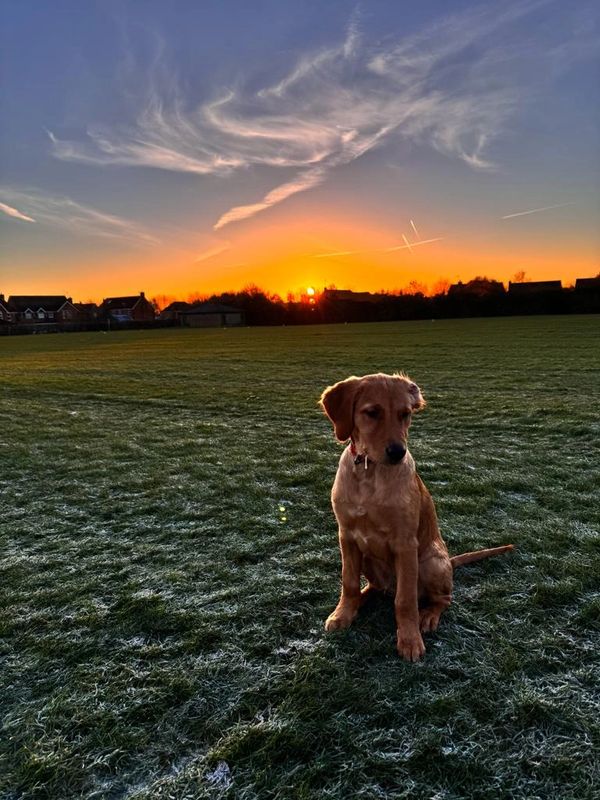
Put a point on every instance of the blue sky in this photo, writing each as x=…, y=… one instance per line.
x=199, y=145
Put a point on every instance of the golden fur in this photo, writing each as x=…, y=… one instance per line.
x=388, y=528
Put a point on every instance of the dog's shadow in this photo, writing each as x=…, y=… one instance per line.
x=374, y=628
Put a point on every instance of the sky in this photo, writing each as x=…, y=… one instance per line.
x=205, y=145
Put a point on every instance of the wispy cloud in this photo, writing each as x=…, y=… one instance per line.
x=452, y=87
x=212, y=252
x=62, y=212
x=14, y=212
x=536, y=210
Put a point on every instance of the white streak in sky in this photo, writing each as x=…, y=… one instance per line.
x=535, y=210
x=413, y=244
x=414, y=227
x=212, y=252
x=406, y=246
x=62, y=212
x=14, y=212
x=339, y=253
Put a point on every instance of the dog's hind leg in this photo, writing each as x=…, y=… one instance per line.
x=435, y=589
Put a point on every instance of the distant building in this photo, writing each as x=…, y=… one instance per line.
x=534, y=287
x=347, y=295
x=480, y=287
x=588, y=284
x=48, y=310
x=6, y=314
x=587, y=294
x=175, y=310
x=134, y=308
x=212, y=315
x=89, y=312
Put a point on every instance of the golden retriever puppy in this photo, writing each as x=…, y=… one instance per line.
x=388, y=528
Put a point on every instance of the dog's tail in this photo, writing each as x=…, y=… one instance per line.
x=477, y=555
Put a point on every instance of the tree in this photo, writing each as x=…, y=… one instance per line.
x=161, y=301
x=416, y=287
x=196, y=297
x=441, y=286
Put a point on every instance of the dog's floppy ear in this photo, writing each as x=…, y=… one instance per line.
x=337, y=402
x=418, y=401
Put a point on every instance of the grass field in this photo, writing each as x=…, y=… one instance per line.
x=170, y=555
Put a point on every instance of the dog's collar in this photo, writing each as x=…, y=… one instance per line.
x=358, y=457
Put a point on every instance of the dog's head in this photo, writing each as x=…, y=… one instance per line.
x=375, y=412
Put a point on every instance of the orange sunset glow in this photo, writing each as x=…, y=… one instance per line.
x=291, y=257
x=375, y=153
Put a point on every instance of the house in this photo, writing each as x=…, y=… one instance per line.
x=134, y=308
x=347, y=295
x=478, y=287
x=582, y=285
x=534, y=287
x=587, y=294
x=212, y=315
x=89, y=312
x=49, y=310
x=6, y=314
x=175, y=310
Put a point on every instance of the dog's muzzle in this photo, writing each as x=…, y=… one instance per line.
x=395, y=452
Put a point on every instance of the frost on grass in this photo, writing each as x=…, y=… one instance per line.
x=220, y=776
x=159, y=614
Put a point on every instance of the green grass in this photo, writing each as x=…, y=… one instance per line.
x=161, y=622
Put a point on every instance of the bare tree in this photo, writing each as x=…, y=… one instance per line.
x=441, y=286
x=161, y=301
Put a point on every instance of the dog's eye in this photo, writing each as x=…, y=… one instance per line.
x=373, y=413
x=405, y=415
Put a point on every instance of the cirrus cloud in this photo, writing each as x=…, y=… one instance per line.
x=451, y=87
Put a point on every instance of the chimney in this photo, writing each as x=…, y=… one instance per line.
x=1, y=298
x=70, y=300
x=142, y=294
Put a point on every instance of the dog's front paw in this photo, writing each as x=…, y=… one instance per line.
x=338, y=620
x=410, y=646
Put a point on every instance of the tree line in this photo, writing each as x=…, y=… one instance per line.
x=481, y=297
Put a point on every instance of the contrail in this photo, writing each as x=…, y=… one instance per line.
x=414, y=227
x=414, y=244
x=341, y=253
x=407, y=246
x=535, y=210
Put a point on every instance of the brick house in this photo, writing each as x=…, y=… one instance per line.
x=175, y=310
x=42, y=309
x=89, y=312
x=134, y=308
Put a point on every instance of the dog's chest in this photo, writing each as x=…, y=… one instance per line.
x=372, y=513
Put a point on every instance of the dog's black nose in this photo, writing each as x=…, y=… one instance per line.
x=395, y=452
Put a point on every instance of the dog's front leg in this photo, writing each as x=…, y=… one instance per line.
x=349, y=602
x=409, y=640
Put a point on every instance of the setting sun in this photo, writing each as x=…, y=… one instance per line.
x=310, y=291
